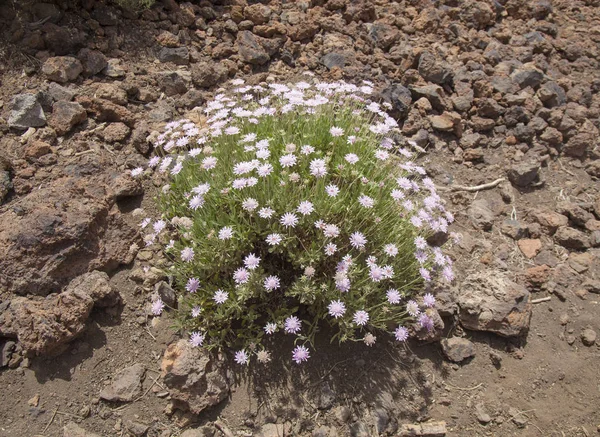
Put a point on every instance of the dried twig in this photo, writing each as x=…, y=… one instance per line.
x=50, y=423
x=463, y=389
x=541, y=299
x=474, y=188
x=223, y=428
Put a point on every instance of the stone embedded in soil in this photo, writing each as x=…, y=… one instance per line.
x=481, y=414
x=207, y=74
x=334, y=59
x=588, y=337
x=62, y=68
x=176, y=55
x=5, y=184
x=126, y=385
x=457, y=349
x=523, y=173
x=43, y=326
x=71, y=429
x=95, y=284
x=514, y=229
x=195, y=378
x=115, y=132
x=550, y=220
x=166, y=293
x=530, y=247
x=26, y=112
x=481, y=215
x=66, y=115
x=92, y=61
x=426, y=429
x=490, y=301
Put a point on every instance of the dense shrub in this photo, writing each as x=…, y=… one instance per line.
x=293, y=207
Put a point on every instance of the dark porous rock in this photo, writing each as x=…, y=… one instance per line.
x=334, y=59
x=47, y=12
x=105, y=110
x=524, y=173
x=62, y=68
x=92, y=61
x=208, y=74
x=172, y=83
x=43, y=326
x=457, y=349
x=258, y=13
x=399, y=97
x=477, y=14
x=250, y=48
x=59, y=92
x=579, y=144
x=552, y=94
x=433, y=93
x=5, y=183
x=490, y=301
x=124, y=186
x=593, y=168
x=65, y=229
x=195, y=378
x=126, y=385
x=26, y=111
x=66, y=115
x=527, y=77
x=62, y=40
x=432, y=70
x=571, y=238
x=176, y=55
x=111, y=92
x=105, y=15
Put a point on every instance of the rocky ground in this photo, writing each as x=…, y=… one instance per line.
x=503, y=94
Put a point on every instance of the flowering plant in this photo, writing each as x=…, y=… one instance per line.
x=295, y=206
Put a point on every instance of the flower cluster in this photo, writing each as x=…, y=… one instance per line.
x=291, y=207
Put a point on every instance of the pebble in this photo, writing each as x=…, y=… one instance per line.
x=588, y=337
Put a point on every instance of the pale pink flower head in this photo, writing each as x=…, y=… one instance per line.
x=192, y=285
x=401, y=333
x=429, y=300
x=330, y=249
x=241, y=276
x=220, y=296
x=270, y=328
x=332, y=190
x=251, y=261
x=358, y=240
x=137, y=171
x=289, y=220
x=393, y=296
x=300, y=354
x=226, y=233
x=336, y=131
x=426, y=322
x=196, y=339
x=288, y=160
x=187, y=254
x=390, y=249
x=157, y=307
x=318, y=167
x=412, y=308
x=361, y=317
x=366, y=201
x=241, y=357
x=369, y=339
x=273, y=239
x=292, y=325
x=351, y=158
x=336, y=308
x=271, y=283
x=305, y=207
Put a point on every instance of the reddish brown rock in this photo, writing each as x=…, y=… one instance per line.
x=551, y=221
x=537, y=276
x=66, y=115
x=62, y=68
x=195, y=378
x=530, y=247
x=42, y=326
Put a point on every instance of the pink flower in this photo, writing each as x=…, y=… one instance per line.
x=187, y=254
x=158, y=306
x=220, y=296
x=241, y=276
x=336, y=308
x=428, y=300
x=336, y=131
x=196, y=339
x=361, y=318
x=292, y=325
x=305, y=207
x=412, y=308
x=357, y=240
x=241, y=357
x=289, y=220
x=393, y=296
x=401, y=333
x=300, y=354
x=251, y=261
x=192, y=285
x=271, y=283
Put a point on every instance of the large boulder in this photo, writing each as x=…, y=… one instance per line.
x=62, y=230
x=490, y=301
x=195, y=378
x=42, y=326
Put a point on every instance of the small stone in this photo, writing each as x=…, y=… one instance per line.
x=426, y=429
x=258, y=13
x=524, y=173
x=333, y=60
x=457, y=349
x=115, y=132
x=514, y=229
x=136, y=428
x=176, y=55
x=66, y=115
x=495, y=358
x=71, y=429
x=250, y=50
x=92, y=61
x=442, y=123
x=126, y=386
x=530, y=247
x=342, y=414
x=62, y=68
x=166, y=293
x=26, y=112
x=34, y=401
x=482, y=217
x=482, y=416
x=588, y=337
x=326, y=397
